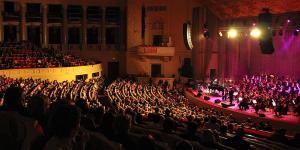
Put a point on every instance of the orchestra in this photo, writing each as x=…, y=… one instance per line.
x=263, y=93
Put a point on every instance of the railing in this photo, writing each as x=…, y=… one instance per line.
x=58, y=73
x=156, y=51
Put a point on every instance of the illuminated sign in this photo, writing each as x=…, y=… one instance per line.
x=150, y=49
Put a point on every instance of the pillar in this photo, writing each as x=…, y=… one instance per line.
x=103, y=27
x=45, y=25
x=84, y=29
x=65, y=28
x=1, y=23
x=23, y=22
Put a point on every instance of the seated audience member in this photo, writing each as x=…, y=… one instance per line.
x=237, y=141
x=279, y=136
x=38, y=107
x=86, y=121
x=108, y=125
x=223, y=130
x=295, y=141
x=168, y=125
x=65, y=122
x=16, y=131
x=156, y=116
x=208, y=138
x=191, y=132
x=184, y=145
x=212, y=124
x=123, y=136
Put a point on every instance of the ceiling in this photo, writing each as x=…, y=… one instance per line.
x=229, y=9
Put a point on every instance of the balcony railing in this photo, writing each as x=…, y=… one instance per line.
x=156, y=51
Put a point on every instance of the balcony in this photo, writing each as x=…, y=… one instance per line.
x=155, y=51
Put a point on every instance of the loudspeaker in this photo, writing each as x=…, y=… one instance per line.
x=261, y=115
x=217, y=101
x=266, y=44
x=206, y=98
x=264, y=23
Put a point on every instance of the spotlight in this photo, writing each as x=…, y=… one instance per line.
x=206, y=34
x=232, y=33
x=288, y=21
x=220, y=34
x=255, y=33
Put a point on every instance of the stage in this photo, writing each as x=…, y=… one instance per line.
x=289, y=122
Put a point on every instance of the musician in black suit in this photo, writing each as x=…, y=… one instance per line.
x=231, y=96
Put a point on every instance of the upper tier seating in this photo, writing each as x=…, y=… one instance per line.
x=15, y=56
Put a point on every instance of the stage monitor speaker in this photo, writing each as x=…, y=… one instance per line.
x=217, y=101
x=206, y=98
x=261, y=115
x=198, y=94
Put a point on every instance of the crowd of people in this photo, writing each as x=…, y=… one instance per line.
x=24, y=55
x=40, y=114
x=266, y=93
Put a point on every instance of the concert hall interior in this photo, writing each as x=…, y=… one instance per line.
x=149, y=74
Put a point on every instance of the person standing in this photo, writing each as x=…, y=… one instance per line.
x=231, y=95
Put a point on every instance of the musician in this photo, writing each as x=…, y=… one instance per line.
x=297, y=107
x=231, y=96
x=224, y=94
x=244, y=104
x=279, y=109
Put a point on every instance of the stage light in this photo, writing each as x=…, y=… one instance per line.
x=232, y=33
x=288, y=21
x=253, y=24
x=206, y=34
x=255, y=33
x=220, y=34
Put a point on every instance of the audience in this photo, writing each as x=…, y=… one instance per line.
x=38, y=114
x=23, y=55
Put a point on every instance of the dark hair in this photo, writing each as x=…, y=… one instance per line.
x=64, y=120
x=240, y=132
x=183, y=145
x=223, y=129
x=13, y=98
x=168, y=125
x=123, y=123
x=36, y=106
x=81, y=103
x=192, y=127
